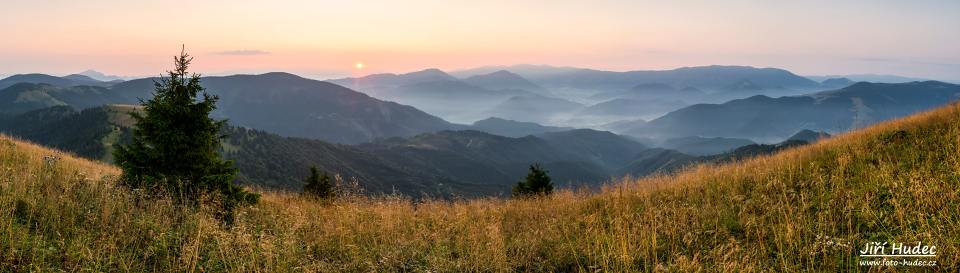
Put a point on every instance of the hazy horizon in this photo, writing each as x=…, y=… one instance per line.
x=912, y=39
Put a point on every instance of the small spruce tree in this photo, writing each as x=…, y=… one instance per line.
x=537, y=182
x=318, y=186
x=174, y=147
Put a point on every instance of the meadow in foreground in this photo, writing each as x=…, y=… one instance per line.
x=805, y=209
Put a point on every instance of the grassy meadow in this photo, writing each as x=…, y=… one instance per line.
x=805, y=209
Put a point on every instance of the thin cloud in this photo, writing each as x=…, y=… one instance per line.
x=245, y=52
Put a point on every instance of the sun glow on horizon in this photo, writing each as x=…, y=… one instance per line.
x=616, y=35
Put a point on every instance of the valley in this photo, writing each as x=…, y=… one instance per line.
x=281, y=124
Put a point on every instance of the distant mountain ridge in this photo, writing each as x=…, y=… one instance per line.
x=762, y=118
x=876, y=78
x=584, y=86
x=837, y=82
x=451, y=99
x=504, y=80
x=65, y=81
x=38, y=79
x=439, y=93
x=99, y=76
x=370, y=82
x=705, y=78
x=528, y=71
x=80, y=78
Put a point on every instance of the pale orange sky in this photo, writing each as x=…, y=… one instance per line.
x=326, y=38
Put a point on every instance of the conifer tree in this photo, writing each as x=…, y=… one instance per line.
x=319, y=186
x=174, y=146
x=537, y=182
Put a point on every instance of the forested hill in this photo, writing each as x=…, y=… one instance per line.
x=280, y=103
x=446, y=163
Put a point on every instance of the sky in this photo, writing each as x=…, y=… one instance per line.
x=325, y=39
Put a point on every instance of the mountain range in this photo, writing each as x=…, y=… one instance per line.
x=479, y=92
x=439, y=93
x=99, y=76
x=281, y=103
x=67, y=81
x=766, y=119
x=877, y=78
x=505, y=80
x=710, y=79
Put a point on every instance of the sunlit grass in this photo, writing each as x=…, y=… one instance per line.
x=804, y=209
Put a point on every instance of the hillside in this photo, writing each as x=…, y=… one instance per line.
x=61, y=127
x=803, y=209
x=290, y=105
x=264, y=160
x=512, y=128
x=23, y=97
x=280, y=103
x=602, y=148
x=441, y=165
x=495, y=162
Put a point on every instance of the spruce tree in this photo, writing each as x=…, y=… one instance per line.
x=319, y=186
x=537, y=182
x=174, y=147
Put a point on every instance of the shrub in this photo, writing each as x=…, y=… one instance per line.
x=537, y=182
x=318, y=186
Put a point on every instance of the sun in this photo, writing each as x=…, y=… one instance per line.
x=358, y=65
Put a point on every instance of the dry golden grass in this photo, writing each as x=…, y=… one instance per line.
x=804, y=209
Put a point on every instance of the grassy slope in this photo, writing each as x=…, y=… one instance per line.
x=804, y=209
